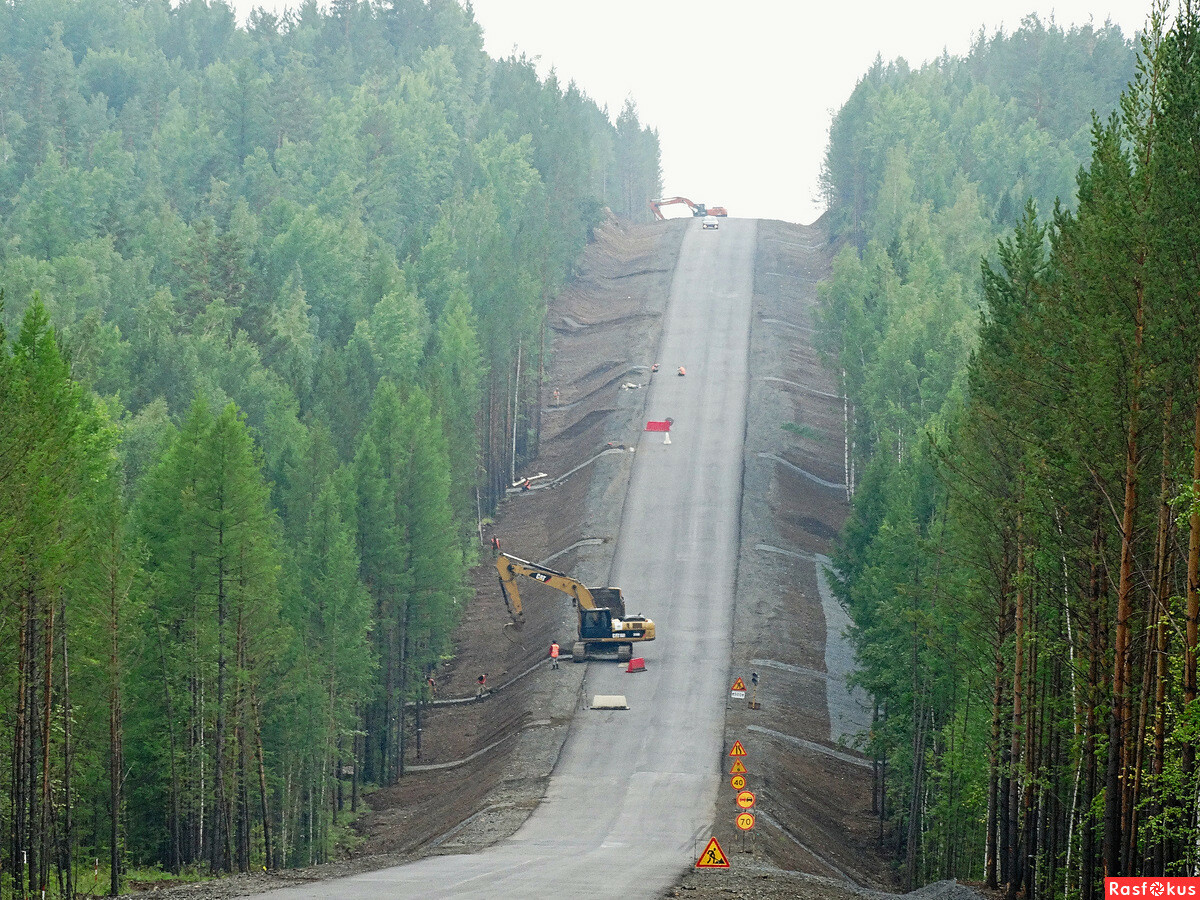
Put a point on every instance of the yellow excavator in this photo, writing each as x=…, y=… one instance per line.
x=604, y=629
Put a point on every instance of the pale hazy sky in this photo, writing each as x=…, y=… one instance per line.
x=742, y=93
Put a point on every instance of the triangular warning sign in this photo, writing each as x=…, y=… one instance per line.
x=738, y=749
x=738, y=768
x=713, y=857
x=738, y=685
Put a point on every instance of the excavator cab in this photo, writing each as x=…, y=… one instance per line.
x=595, y=624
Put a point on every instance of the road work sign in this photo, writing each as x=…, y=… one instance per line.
x=738, y=768
x=739, y=685
x=738, y=749
x=738, y=691
x=738, y=782
x=745, y=799
x=713, y=857
x=745, y=821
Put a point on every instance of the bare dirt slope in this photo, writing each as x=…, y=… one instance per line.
x=483, y=766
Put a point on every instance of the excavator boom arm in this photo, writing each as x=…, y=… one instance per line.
x=510, y=567
x=656, y=206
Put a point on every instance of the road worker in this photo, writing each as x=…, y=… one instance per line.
x=682, y=370
x=554, y=654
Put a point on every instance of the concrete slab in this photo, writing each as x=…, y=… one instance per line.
x=610, y=701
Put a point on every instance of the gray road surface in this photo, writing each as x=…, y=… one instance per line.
x=633, y=796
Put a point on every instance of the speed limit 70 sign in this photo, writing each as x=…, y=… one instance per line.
x=745, y=821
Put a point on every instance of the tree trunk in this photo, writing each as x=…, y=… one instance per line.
x=33, y=822
x=992, y=851
x=532, y=452
x=403, y=685
x=489, y=462
x=1193, y=590
x=1151, y=688
x=918, y=748
x=1162, y=639
x=242, y=788
x=1015, y=747
x=1097, y=648
x=194, y=773
x=176, y=825
x=1118, y=718
x=875, y=806
x=1129, y=852
x=515, y=415
x=1031, y=793
x=114, y=739
x=21, y=746
x=355, y=758
x=66, y=868
x=389, y=701
x=262, y=779
x=47, y=710
x=220, y=858
x=1117, y=797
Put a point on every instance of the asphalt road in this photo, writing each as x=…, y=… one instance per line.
x=632, y=799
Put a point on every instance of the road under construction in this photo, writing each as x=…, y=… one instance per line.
x=720, y=536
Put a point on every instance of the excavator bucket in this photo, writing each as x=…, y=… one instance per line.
x=518, y=618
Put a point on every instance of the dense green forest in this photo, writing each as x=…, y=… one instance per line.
x=271, y=340
x=1023, y=556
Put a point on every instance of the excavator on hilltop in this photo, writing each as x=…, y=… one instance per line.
x=604, y=629
x=698, y=209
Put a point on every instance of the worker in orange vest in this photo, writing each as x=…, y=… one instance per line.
x=554, y=654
